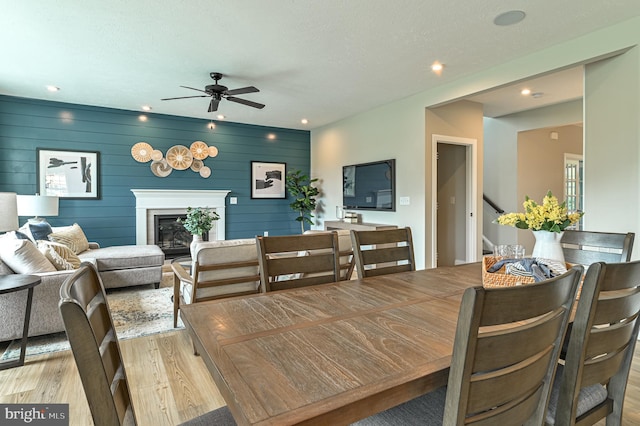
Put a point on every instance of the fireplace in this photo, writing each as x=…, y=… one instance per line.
x=171, y=202
x=170, y=235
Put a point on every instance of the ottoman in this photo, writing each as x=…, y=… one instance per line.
x=124, y=266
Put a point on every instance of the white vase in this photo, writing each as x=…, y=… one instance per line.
x=548, y=245
x=192, y=247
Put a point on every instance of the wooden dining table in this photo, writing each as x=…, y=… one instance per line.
x=332, y=353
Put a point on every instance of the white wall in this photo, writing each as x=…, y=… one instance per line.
x=397, y=130
x=612, y=147
x=501, y=159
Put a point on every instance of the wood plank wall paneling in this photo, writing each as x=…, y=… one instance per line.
x=27, y=124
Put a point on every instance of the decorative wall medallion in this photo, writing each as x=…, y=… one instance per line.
x=205, y=172
x=179, y=157
x=161, y=168
x=199, y=150
x=197, y=165
x=141, y=152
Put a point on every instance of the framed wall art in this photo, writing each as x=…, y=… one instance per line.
x=268, y=180
x=68, y=174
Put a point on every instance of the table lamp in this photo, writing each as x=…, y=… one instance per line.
x=8, y=212
x=37, y=205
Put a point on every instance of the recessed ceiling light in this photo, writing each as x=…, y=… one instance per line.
x=437, y=66
x=271, y=136
x=221, y=117
x=146, y=108
x=53, y=88
x=304, y=121
x=509, y=18
x=525, y=92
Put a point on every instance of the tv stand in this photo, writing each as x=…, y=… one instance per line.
x=330, y=225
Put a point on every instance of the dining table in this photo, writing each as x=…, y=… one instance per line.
x=331, y=353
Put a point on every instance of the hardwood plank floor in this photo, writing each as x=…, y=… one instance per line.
x=169, y=384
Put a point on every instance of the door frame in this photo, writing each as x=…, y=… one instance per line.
x=471, y=225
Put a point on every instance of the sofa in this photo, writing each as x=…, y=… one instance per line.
x=53, y=257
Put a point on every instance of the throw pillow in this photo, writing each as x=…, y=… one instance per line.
x=73, y=238
x=23, y=257
x=19, y=235
x=40, y=230
x=4, y=269
x=61, y=256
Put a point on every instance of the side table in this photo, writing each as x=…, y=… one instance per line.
x=12, y=283
x=184, y=263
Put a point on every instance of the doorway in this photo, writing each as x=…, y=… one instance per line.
x=454, y=193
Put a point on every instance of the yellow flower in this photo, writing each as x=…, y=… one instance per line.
x=548, y=216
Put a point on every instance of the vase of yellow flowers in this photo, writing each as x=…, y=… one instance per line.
x=547, y=221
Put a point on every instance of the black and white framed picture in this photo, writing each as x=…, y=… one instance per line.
x=268, y=180
x=68, y=174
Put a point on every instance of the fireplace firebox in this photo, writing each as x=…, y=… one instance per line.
x=171, y=236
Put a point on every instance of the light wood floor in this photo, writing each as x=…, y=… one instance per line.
x=169, y=384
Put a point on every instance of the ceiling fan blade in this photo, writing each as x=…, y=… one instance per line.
x=185, y=97
x=193, y=88
x=245, y=102
x=213, y=105
x=242, y=91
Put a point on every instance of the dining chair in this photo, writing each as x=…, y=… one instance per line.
x=346, y=258
x=292, y=261
x=217, y=270
x=94, y=343
x=384, y=251
x=505, y=354
x=592, y=383
x=587, y=247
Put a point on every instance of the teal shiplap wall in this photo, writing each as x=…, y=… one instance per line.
x=27, y=124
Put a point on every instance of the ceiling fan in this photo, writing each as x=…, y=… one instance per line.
x=217, y=92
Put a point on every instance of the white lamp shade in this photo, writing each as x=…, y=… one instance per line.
x=37, y=205
x=8, y=212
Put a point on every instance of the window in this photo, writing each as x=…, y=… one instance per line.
x=573, y=181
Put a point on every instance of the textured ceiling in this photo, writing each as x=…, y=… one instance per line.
x=320, y=60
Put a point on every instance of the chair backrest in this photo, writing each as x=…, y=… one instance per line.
x=224, y=268
x=586, y=247
x=602, y=342
x=292, y=261
x=384, y=251
x=89, y=326
x=346, y=258
x=506, y=350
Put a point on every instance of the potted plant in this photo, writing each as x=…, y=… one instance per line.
x=300, y=187
x=199, y=221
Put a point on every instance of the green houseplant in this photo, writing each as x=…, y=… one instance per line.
x=300, y=187
x=199, y=220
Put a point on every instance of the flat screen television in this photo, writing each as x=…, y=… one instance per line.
x=370, y=186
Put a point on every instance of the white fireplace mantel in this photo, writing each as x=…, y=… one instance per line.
x=156, y=200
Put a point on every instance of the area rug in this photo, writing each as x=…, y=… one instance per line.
x=135, y=313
